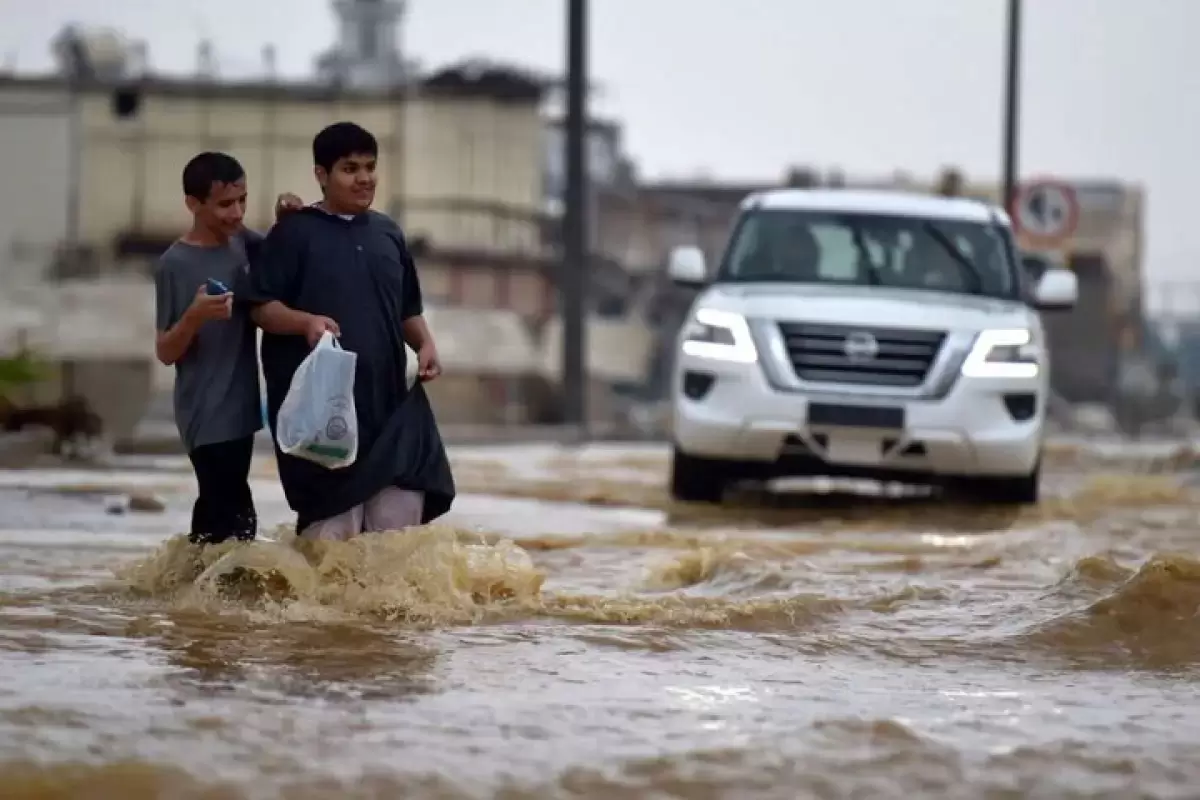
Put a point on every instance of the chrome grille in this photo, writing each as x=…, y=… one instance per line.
x=900, y=357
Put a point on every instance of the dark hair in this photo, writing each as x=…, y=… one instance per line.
x=208, y=168
x=342, y=140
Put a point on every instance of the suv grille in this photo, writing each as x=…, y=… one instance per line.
x=860, y=354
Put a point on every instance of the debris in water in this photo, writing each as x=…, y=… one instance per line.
x=146, y=503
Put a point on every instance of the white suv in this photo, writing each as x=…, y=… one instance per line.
x=880, y=335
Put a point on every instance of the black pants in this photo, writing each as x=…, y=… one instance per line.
x=224, y=507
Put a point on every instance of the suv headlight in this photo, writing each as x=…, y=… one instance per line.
x=1004, y=353
x=719, y=335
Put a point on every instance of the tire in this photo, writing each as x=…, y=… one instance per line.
x=1022, y=491
x=697, y=480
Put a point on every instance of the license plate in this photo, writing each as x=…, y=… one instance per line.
x=847, y=416
x=854, y=450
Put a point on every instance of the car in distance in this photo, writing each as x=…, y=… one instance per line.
x=867, y=334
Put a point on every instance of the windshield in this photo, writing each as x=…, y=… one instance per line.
x=870, y=249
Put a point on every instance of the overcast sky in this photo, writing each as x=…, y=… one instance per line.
x=741, y=88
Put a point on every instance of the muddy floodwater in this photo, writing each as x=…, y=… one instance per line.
x=568, y=632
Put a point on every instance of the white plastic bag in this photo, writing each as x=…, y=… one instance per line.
x=318, y=421
x=410, y=367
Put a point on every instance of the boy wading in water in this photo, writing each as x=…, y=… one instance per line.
x=338, y=266
x=206, y=333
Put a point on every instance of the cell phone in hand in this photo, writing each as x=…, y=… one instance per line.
x=216, y=288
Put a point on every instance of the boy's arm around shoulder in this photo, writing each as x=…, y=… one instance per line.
x=272, y=282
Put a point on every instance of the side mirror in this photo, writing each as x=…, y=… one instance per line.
x=687, y=267
x=1058, y=289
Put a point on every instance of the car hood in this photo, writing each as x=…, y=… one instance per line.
x=868, y=306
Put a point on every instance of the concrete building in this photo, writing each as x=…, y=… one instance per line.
x=460, y=166
x=467, y=164
x=490, y=359
x=457, y=153
x=98, y=335
x=460, y=157
x=36, y=132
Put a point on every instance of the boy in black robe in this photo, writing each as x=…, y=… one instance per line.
x=338, y=266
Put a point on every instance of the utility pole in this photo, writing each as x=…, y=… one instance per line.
x=573, y=272
x=76, y=79
x=1012, y=107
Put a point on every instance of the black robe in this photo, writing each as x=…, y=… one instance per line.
x=358, y=272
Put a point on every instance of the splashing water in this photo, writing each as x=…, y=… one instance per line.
x=830, y=646
x=425, y=576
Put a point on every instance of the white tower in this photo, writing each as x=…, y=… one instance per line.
x=367, y=52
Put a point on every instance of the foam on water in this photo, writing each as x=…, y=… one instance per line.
x=422, y=576
x=778, y=647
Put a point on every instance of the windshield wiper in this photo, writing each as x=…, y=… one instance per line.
x=939, y=236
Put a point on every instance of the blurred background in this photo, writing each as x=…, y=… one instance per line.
x=692, y=106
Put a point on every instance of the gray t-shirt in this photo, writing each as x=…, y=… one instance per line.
x=216, y=382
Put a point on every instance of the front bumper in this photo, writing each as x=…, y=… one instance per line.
x=966, y=429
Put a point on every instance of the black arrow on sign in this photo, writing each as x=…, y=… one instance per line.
x=1037, y=205
x=1042, y=212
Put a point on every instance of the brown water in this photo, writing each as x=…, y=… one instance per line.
x=605, y=644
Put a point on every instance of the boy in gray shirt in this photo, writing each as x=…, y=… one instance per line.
x=207, y=334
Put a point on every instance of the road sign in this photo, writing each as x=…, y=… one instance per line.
x=1046, y=211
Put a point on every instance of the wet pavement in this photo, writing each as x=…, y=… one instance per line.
x=568, y=632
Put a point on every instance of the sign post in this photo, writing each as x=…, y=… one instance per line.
x=1046, y=213
x=573, y=273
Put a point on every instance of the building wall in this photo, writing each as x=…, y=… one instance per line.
x=474, y=174
x=35, y=128
x=463, y=171
x=437, y=154
x=525, y=289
